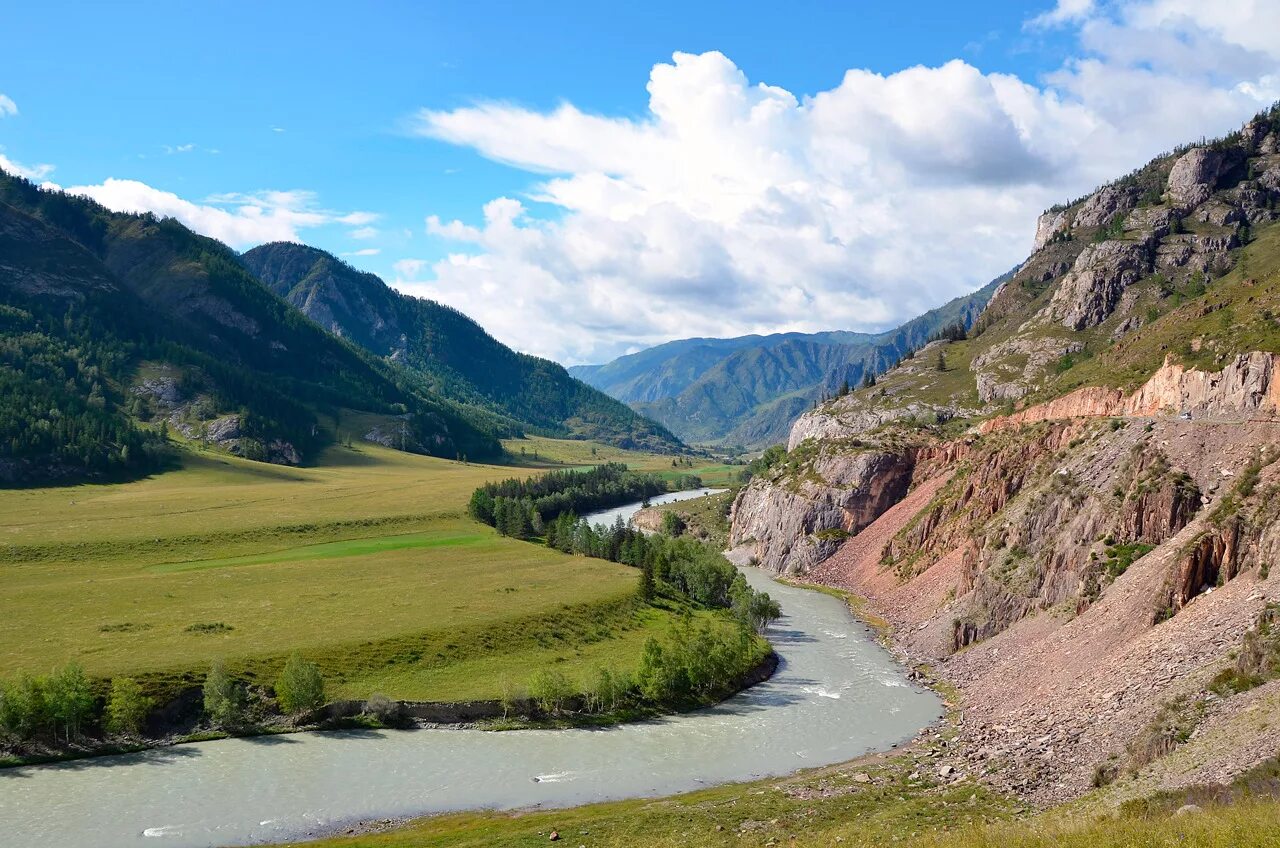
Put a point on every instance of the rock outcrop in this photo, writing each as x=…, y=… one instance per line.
x=1192, y=178
x=794, y=524
x=1246, y=388
x=1090, y=292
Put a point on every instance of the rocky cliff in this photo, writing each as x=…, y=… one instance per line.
x=1033, y=512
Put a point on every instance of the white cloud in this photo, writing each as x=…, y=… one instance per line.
x=181, y=148
x=30, y=172
x=1066, y=11
x=367, y=251
x=7, y=107
x=733, y=207
x=363, y=233
x=240, y=220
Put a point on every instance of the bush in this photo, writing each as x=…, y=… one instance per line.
x=223, y=698
x=127, y=707
x=300, y=687
x=551, y=689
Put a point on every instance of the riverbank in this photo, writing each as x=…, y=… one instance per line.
x=493, y=714
x=835, y=696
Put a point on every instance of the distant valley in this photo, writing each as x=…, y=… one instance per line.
x=746, y=392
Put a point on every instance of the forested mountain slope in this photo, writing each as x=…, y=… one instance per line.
x=453, y=355
x=1072, y=512
x=747, y=391
x=111, y=319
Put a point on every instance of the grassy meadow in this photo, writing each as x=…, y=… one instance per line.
x=855, y=805
x=365, y=563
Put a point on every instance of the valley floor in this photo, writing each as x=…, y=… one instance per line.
x=365, y=563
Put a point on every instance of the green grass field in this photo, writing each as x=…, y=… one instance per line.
x=832, y=807
x=365, y=563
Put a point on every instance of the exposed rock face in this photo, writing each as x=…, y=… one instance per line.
x=849, y=421
x=1247, y=387
x=1010, y=546
x=1090, y=292
x=392, y=436
x=792, y=527
x=1153, y=221
x=1031, y=355
x=1193, y=177
x=1105, y=204
x=1049, y=225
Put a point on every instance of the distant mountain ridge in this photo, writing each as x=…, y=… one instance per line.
x=746, y=391
x=452, y=354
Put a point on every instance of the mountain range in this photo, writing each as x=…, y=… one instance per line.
x=747, y=391
x=116, y=328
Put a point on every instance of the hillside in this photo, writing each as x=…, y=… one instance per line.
x=116, y=324
x=747, y=391
x=1070, y=514
x=453, y=355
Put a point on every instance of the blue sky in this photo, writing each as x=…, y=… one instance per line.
x=316, y=109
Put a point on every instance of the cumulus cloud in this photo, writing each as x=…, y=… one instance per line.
x=735, y=206
x=30, y=172
x=7, y=106
x=240, y=220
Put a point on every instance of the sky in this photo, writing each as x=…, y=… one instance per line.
x=588, y=179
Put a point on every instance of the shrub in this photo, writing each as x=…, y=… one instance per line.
x=127, y=707
x=300, y=687
x=551, y=689
x=223, y=698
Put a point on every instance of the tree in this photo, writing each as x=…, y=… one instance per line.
x=757, y=610
x=551, y=689
x=300, y=687
x=223, y=700
x=70, y=699
x=647, y=589
x=672, y=524
x=868, y=379
x=941, y=363
x=127, y=707
x=23, y=708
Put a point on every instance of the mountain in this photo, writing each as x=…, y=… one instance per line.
x=110, y=321
x=454, y=356
x=1070, y=515
x=667, y=369
x=746, y=391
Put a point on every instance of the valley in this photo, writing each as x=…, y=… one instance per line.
x=316, y=528
x=366, y=557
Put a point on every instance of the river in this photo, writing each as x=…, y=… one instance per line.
x=837, y=695
x=608, y=516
